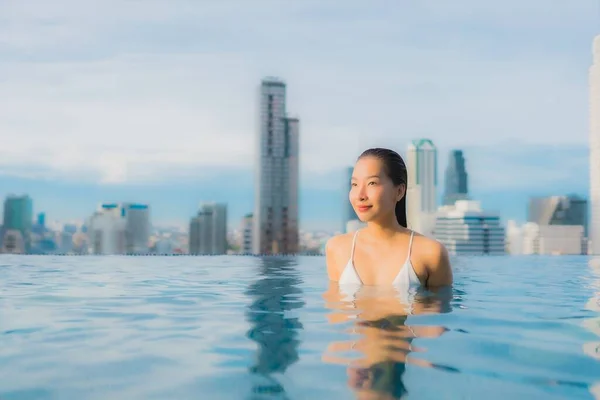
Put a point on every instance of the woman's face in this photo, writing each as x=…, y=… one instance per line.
x=373, y=195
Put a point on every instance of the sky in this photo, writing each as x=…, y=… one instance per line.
x=156, y=101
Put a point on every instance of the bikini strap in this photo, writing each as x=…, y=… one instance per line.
x=412, y=233
x=353, y=244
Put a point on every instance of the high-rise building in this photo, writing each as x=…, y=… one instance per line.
x=137, y=227
x=464, y=228
x=106, y=229
x=348, y=211
x=18, y=216
x=455, y=179
x=559, y=210
x=119, y=228
x=277, y=174
x=246, y=242
x=208, y=230
x=421, y=196
x=594, y=107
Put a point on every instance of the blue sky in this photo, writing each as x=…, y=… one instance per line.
x=155, y=101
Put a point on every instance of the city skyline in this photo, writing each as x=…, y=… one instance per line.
x=173, y=204
x=145, y=119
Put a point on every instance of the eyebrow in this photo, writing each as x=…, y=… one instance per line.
x=368, y=177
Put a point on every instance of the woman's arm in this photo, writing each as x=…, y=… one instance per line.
x=438, y=266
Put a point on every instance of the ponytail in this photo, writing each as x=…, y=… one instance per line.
x=401, y=212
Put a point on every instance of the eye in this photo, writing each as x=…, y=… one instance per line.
x=372, y=183
x=353, y=184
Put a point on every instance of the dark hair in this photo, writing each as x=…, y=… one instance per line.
x=395, y=168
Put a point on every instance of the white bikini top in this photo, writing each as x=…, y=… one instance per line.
x=406, y=278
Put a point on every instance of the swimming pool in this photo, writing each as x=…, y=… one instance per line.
x=271, y=328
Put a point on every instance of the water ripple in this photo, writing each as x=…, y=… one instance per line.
x=246, y=327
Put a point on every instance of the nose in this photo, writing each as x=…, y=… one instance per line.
x=362, y=194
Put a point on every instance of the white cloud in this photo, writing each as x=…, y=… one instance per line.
x=130, y=91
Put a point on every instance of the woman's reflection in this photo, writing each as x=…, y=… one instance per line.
x=378, y=317
x=274, y=294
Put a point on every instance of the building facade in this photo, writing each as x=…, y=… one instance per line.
x=120, y=228
x=208, y=230
x=594, y=142
x=137, y=227
x=455, y=179
x=18, y=216
x=421, y=195
x=277, y=174
x=246, y=239
x=553, y=239
x=107, y=232
x=465, y=229
x=559, y=210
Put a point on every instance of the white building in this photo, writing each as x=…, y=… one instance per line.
x=421, y=193
x=120, y=228
x=106, y=230
x=514, y=238
x=532, y=238
x=246, y=229
x=465, y=229
x=208, y=230
x=277, y=179
x=553, y=239
x=594, y=106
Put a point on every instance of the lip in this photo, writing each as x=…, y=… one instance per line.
x=363, y=208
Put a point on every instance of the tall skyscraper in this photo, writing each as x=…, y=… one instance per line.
x=421, y=200
x=455, y=182
x=348, y=211
x=277, y=174
x=18, y=216
x=208, y=230
x=137, y=227
x=594, y=99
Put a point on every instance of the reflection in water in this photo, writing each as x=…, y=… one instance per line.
x=378, y=316
x=592, y=349
x=274, y=294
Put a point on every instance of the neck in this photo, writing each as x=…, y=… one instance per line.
x=383, y=229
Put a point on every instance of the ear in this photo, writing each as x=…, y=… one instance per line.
x=401, y=192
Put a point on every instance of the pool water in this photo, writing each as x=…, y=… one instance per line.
x=273, y=328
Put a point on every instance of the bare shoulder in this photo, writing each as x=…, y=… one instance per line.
x=337, y=253
x=434, y=258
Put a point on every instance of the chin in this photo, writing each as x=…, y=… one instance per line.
x=366, y=218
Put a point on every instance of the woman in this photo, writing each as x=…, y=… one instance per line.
x=385, y=251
